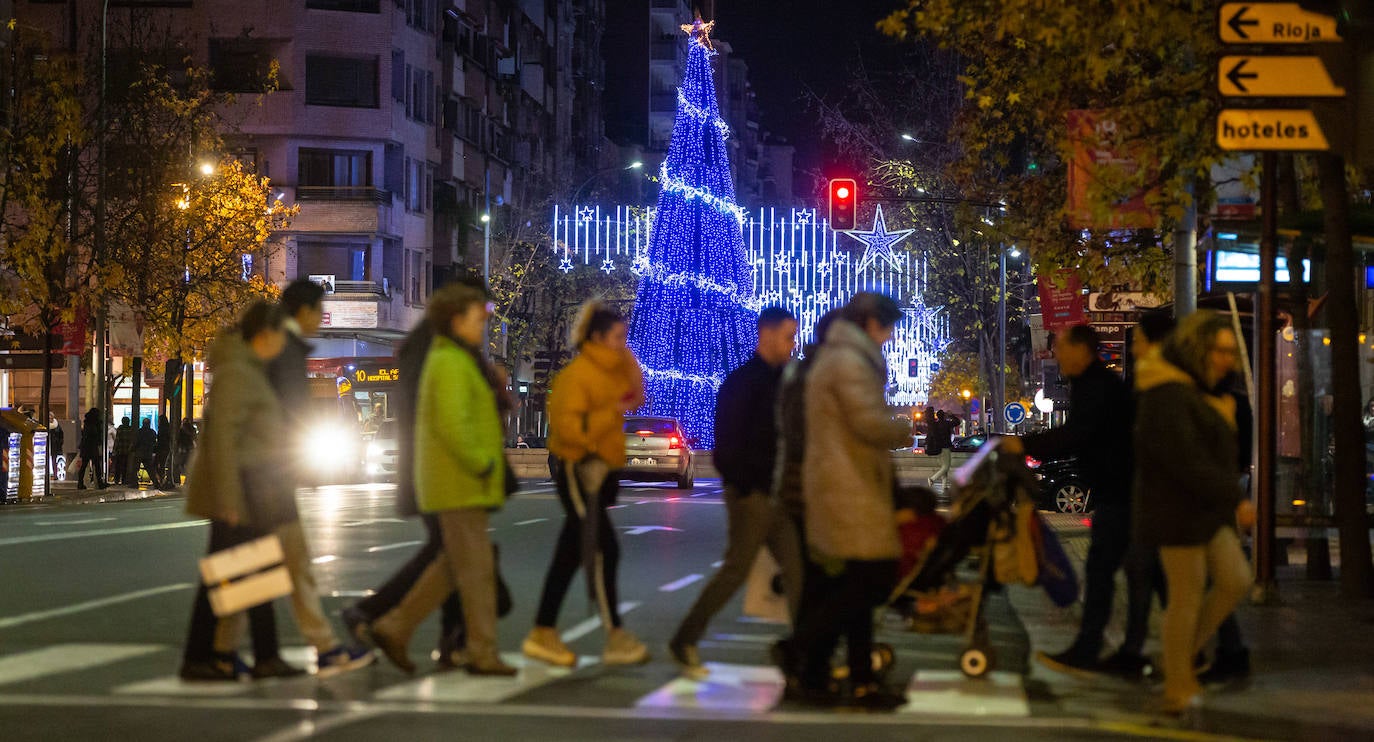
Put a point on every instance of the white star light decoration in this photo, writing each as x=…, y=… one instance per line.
x=878, y=242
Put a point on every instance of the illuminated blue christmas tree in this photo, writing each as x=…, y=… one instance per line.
x=695, y=313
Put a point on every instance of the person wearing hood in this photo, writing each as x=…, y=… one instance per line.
x=1189, y=495
x=237, y=481
x=851, y=526
x=92, y=430
x=1098, y=434
x=587, y=405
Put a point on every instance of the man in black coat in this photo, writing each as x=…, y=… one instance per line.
x=1098, y=433
x=145, y=446
x=745, y=452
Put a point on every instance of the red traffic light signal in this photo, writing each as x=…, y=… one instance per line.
x=844, y=198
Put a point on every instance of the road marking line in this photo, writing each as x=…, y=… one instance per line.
x=310, y=728
x=389, y=547
x=326, y=559
x=525, y=711
x=728, y=688
x=577, y=631
x=949, y=692
x=16, y=540
x=23, y=618
x=676, y=585
x=352, y=593
x=71, y=522
x=531, y=521
x=173, y=685
x=745, y=638
x=717, y=564
x=457, y=687
x=60, y=658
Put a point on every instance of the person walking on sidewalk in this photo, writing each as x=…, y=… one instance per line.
x=92, y=429
x=1098, y=433
x=237, y=483
x=145, y=448
x=302, y=303
x=940, y=443
x=746, y=442
x=851, y=526
x=460, y=476
x=123, y=449
x=587, y=406
x=1190, y=498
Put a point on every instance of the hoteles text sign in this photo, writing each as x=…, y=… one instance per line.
x=1282, y=129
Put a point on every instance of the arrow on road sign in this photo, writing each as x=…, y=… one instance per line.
x=1236, y=75
x=1239, y=22
x=1282, y=77
x=641, y=530
x=1274, y=23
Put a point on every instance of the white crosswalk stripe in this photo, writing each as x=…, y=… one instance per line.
x=61, y=658
x=460, y=687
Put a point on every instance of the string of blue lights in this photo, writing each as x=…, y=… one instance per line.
x=695, y=312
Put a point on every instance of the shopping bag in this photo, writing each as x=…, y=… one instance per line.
x=1056, y=571
x=246, y=575
x=761, y=598
x=74, y=466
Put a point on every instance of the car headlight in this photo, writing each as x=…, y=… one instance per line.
x=374, y=450
x=328, y=446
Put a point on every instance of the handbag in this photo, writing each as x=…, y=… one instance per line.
x=1057, y=576
x=246, y=575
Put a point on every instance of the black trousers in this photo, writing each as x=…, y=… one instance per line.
x=842, y=605
x=1110, y=540
x=391, y=592
x=200, y=638
x=93, y=460
x=567, y=554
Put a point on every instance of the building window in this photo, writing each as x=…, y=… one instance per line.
x=422, y=15
x=416, y=190
x=345, y=261
x=338, y=168
x=420, y=95
x=341, y=81
x=352, y=6
x=240, y=65
x=415, y=281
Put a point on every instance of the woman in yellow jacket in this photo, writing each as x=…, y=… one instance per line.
x=587, y=406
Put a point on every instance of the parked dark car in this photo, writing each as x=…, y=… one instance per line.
x=1062, y=488
x=968, y=443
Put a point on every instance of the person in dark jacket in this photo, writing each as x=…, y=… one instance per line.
x=1190, y=500
x=745, y=452
x=186, y=443
x=92, y=432
x=940, y=443
x=302, y=303
x=123, y=449
x=162, y=454
x=145, y=448
x=1098, y=433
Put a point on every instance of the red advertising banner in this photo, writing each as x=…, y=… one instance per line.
x=73, y=335
x=1062, y=307
x=1099, y=157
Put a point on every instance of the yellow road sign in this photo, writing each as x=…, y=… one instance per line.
x=1259, y=77
x=1274, y=23
x=1286, y=130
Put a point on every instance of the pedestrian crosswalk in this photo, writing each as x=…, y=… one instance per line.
x=147, y=671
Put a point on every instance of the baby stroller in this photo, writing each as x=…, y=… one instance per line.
x=993, y=520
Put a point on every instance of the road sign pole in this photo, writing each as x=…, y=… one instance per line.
x=1266, y=588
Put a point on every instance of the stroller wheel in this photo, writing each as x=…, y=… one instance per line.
x=975, y=661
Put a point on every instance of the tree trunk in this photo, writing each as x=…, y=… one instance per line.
x=1357, y=572
x=136, y=389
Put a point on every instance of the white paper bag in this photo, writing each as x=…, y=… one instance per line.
x=760, y=599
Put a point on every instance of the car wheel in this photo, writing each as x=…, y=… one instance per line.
x=1071, y=497
x=685, y=482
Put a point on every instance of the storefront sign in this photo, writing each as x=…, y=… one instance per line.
x=349, y=315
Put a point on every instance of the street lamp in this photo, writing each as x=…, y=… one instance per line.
x=636, y=165
x=967, y=394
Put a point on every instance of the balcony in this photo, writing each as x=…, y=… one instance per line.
x=665, y=49
x=362, y=288
x=343, y=193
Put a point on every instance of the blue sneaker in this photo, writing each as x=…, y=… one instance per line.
x=342, y=659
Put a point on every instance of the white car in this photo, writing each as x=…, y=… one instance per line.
x=657, y=450
x=381, y=453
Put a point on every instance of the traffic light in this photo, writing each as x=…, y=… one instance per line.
x=844, y=198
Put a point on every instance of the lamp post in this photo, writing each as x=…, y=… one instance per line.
x=636, y=165
x=967, y=394
x=999, y=397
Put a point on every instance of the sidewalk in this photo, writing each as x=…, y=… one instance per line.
x=66, y=493
x=1312, y=656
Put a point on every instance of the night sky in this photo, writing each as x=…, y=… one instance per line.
x=791, y=45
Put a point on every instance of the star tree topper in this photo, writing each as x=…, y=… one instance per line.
x=700, y=31
x=878, y=242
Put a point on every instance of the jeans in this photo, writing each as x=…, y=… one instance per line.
x=1195, y=611
x=754, y=520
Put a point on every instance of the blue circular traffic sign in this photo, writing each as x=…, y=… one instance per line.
x=1014, y=413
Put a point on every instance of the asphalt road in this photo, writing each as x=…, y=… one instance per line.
x=94, y=602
